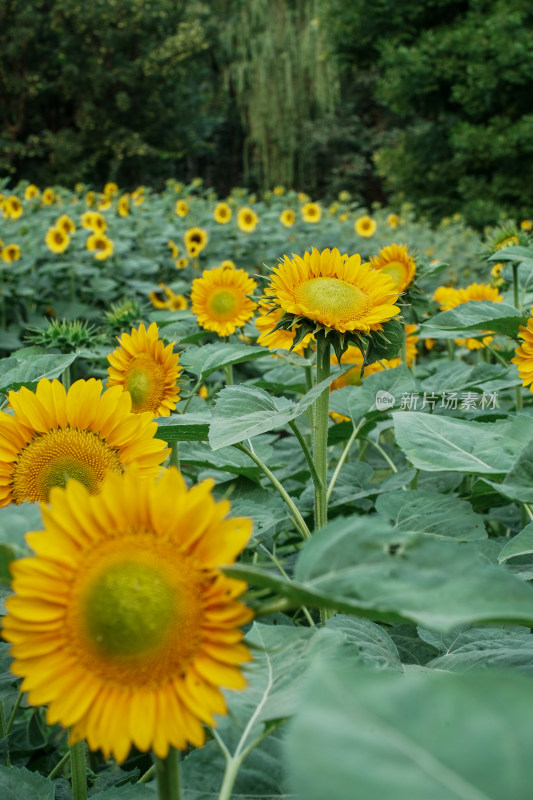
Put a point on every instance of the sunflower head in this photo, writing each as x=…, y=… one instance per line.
x=14, y=207
x=126, y=313
x=311, y=212
x=222, y=213
x=365, y=226
x=10, y=253
x=247, y=220
x=100, y=245
x=220, y=299
x=524, y=354
x=395, y=261
x=123, y=205
x=137, y=628
x=287, y=217
x=508, y=235
x=66, y=224
x=54, y=435
x=526, y=225
x=31, y=192
x=274, y=337
x=57, y=240
x=182, y=208
x=48, y=197
x=195, y=240
x=143, y=366
x=67, y=336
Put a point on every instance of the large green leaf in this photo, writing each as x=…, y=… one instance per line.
x=420, y=736
x=441, y=515
x=458, y=376
x=29, y=371
x=363, y=566
x=519, y=545
x=478, y=315
x=373, y=643
x=377, y=395
x=241, y=412
x=202, y=361
x=438, y=443
x=137, y=791
x=518, y=483
x=497, y=648
x=21, y=784
x=184, y=427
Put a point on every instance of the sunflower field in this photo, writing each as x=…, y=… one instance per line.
x=266, y=498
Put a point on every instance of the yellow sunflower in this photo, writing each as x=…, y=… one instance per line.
x=311, y=212
x=90, y=198
x=31, y=191
x=48, y=197
x=228, y=264
x=365, y=226
x=57, y=240
x=393, y=220
x=137, y=196
x=181, y=263
x=100, y=246
x=55, y=435
x=122, y=622
x=524, y=354
x=335, y=291
x=10, y=253
x=104, y=202
x=174, y=302
x=123, y=205
x=395, y=261
x=66, y=224
x=222, y=213
x=220, y=299
x=195, y=240
x=148, y=370
x=174, y=249
x=279, y=339
x=247, y=220
x=111, y=189
x=93, y=221
x=526, y=225
x=13, y=206
x=287, y=217
x=182, y=208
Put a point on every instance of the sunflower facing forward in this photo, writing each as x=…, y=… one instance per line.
x=55, y=435
x=148, y=370
x=122, y=622
x=336, y=291
x=220, y=299
x=395, y=261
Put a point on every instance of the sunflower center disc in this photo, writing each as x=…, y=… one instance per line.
x=396, y=270
x=223, y=302
x=52, y=458
x=331, y=299
x=128, y=609
x=145, y=382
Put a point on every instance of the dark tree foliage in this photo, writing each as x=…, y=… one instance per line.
x=446, y=88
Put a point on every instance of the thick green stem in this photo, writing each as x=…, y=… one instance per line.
x=298, y=519
x=65, y=377
x=175, y=454
x=78, y=770
x=516, y=286
x=168, y=776
x=320, y=431
x=228, y=372
x=451, y=349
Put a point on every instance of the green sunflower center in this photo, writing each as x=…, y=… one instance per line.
x=223, y=302
x=128, y=609
x=396, y=270
x=145, y=381
x=331, y=300
x=52, y=458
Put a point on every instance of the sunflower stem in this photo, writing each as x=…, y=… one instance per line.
x=320, y=431
x=59, y=766
x=516, y=286
x=168, y=776
x=175, y=454
x=228, y=371
x=307, y=453
x=13, y=714
x=298, y=519
x=65, y=377
x=78, y=771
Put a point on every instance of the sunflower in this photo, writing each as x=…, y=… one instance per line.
x=137, y=196
x=449, y=298
x=148, y=370
x=335, y=291
x=104, y=202
x=123, y=205
x=48, y=197
x=174, y=249
x=279, y=339
x=228, y=264
x=343, y=217
x=393, y=220
x=55, y=435
x=365, y=226
x=182, y=208
x=220, y=299
x=222, y=213
x=31, y=191
x=90, y=198
x=247, y=220
x=93, y=221
x=287, y=217
x=122, y=621
x=195, y=240
x=395, y=261
x=524, y=354
x=526, y=225
x=303, y=197
x=174, y=302
x=111, y=189
x=311, y=212
x=66, y=224
x=57, y=240
x=10, y=253
x=13, y=207
x=181, y=263
x=100, y=246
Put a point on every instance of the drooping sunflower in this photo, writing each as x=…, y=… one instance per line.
x=222, y=213
x=393, y=220
x=524, y=354
x=287, y=217
x=10, y=252
x=247, y=220
x=143, y=366
x=279, y=339
x=395, y=261
x=195, y=240
x=526, y=225
x=55, y=435
x=122, y=622
x=100, y=245
x=334, y=290
x=182, y=208
x=365, y=226
x=57, y=240
x=174, y=249
x=311, y=212
x=220, y=299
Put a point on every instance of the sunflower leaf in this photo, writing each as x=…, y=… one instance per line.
x=478, y=315
x=202, y=361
